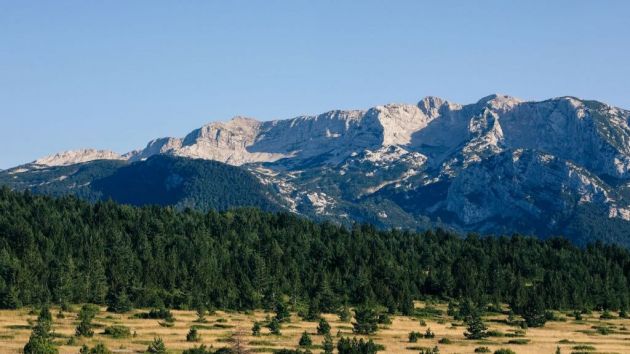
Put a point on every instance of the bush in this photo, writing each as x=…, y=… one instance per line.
x=414, y=336
x=98, y=349
x=482, y=350
x=384, y=319
x=429, y=334
x=583, y=347
x=357, y=346
x=504, y=351
x=606, y=315
x=156, y=314
x=117, y=331
x=202, y=349
x=520, y=341
x=445, y=341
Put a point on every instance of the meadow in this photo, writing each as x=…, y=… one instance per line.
x=591, y=334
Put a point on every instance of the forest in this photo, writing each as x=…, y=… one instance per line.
x=67, y=251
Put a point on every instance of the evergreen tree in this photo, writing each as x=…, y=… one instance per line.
x=274, y=326
x=533, y=312
x=366, y=320
x=193, y=335
x=40, y=341
x=282, y=312
x=305, y=340
x=323, y=327
x=156, y=347
x=328, y=345
x=256, y=329
x=475, y=328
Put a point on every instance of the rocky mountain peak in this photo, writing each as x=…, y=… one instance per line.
x=71, y=157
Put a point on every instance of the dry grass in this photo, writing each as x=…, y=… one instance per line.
x=15, y=330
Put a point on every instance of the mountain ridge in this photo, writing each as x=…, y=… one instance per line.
x=477, y=167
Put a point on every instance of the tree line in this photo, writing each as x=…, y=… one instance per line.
x=64, y=250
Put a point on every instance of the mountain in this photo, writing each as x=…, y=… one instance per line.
x=158, y=180
x=500, y=165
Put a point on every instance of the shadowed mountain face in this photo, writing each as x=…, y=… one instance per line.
x=501, y=165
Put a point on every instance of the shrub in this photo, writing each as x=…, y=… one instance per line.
x=157, y=314
x=520, y=341
x=354, y=345
x=445, y=341
x=118, y=331
x=429, y=334
x=504, y=351
x=583, y=347
x=202, y=349
x=414, y=336
x=98, y=349
x=606, y=315
x=482, y=350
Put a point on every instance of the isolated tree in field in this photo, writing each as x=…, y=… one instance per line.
x=305, y=340
x=323, y=327
x=475, y=328
x=274, y=326
x=40, y=341
x=201, y=314
x=193, y=335
x=366, y=320
x=256, y=329
x=156, y=347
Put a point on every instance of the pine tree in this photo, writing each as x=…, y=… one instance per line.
x=274, y=326
x=256, y=329
x=305, y=340
x=328, y=345
x=475, y=329
x=282, y=312
x=193, y=335
x=157, y=347
x=323, y=327
x=40, y=341
x=366, y=320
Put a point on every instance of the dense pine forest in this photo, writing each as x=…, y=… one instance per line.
x=64, y=250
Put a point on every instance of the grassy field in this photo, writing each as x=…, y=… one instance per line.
x=570, y=335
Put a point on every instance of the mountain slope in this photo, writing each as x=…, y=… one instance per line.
x=499, y=165
x=159, y=180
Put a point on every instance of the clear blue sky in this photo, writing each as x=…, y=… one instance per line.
x=115, y=74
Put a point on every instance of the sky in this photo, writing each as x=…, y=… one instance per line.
x=116, y=74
